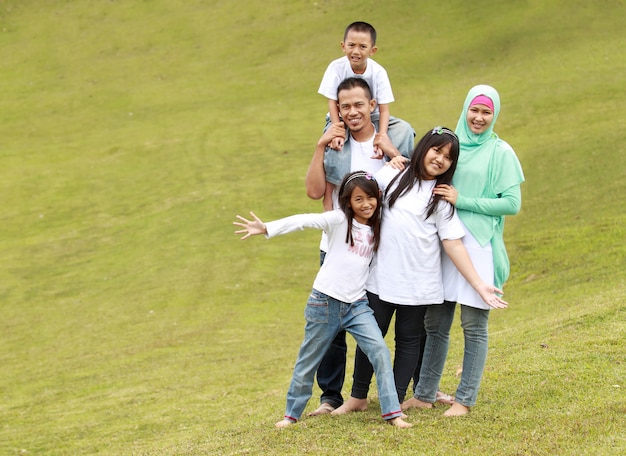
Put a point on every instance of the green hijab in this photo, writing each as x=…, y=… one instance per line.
x=487, y=167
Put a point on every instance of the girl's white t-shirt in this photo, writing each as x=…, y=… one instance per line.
x=406, y=269
x=346, y=268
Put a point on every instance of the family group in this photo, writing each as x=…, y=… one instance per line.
x=409, y=229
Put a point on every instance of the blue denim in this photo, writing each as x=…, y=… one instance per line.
x=325, y=317
x=332, y=371
x=409, y=340
x=337, y=163
x=437, y=322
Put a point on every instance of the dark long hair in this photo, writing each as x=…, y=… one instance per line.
x=366, y=182
x=415, y=172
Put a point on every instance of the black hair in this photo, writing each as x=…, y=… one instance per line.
x=361, y=27
x=415, y=172
x=352, y=83
x=367, y=183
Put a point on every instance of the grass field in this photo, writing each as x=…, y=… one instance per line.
x=135, y=322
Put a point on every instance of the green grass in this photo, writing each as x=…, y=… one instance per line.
x=135, y=322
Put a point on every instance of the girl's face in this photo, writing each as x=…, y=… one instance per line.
x=437, y=161
x=479, y=118
x=363, y=205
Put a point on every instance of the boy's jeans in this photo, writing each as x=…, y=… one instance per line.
x=325, y=317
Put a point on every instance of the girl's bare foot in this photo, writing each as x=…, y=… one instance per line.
x=415, y=403
x=323, y=409
x=399, y=422
x=457, y=410
x=444, y=398
x=283, y=423
x=351, y=405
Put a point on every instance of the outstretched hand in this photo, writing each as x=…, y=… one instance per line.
x=488, y=294
x=250, y=227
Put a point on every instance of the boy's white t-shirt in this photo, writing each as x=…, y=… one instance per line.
x=375, y=75
x=346, y=268
x=407, y=266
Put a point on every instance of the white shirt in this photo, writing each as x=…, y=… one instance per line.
x=346, y=268
x=407, y=267
x=375, y=75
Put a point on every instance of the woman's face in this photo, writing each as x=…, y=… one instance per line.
x=479, y=118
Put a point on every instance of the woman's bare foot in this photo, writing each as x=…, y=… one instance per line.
x=415, y=403
x=283, y=423
x=399, y=422
x=351, y=405
x=444, y=398
x=457, y=410
x=323, y=409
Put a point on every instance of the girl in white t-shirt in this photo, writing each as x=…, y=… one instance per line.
x=338, y=301
x=405, y=275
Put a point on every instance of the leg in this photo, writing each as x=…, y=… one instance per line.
x=410, y=337
x=475, y=333
x=437, y=323
x=322, y=325
x=363, y=369
x=332, y=371
x=330, y=375
x=360, y=322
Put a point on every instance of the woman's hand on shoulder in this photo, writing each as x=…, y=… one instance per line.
x=448, y=193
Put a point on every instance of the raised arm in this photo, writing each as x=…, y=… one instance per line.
x=459, y=256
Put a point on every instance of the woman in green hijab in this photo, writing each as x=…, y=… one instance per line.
x=485, y=188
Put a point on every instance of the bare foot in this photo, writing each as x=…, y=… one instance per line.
x=444, y=398
x=351, y=405
x=415, y=403
x=399, y=422
x=283, y=423
x=457, y=410
x=323, y=409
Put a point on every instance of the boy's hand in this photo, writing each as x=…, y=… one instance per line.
x=336, y=130
x=250, y=227
x=336, y=143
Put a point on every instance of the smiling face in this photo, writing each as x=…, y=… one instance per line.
x=479, y=118
x=358, y=47
x=437, y=161
x=363, y=205
x=356, y=109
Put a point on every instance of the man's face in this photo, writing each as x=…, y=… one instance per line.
x=355, y=108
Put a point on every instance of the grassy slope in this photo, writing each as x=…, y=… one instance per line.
x=134, y=321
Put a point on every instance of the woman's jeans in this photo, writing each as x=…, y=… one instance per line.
x=437, y=322
x=409, y=338
x=325, y=317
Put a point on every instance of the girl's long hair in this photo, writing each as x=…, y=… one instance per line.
x=366, y=182
x=416, y=172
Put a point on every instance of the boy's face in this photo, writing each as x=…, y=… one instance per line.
x=358, y=47
x=355, y=108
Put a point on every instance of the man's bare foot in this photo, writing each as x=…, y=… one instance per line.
x=444, y=398
x=415, y=403
x=457, y=410
x=283, y=423
x=351, y=405
x=399, y=422
x=323, y=409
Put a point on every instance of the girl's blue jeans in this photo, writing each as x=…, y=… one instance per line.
x=325, y=317
x=437, y=322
